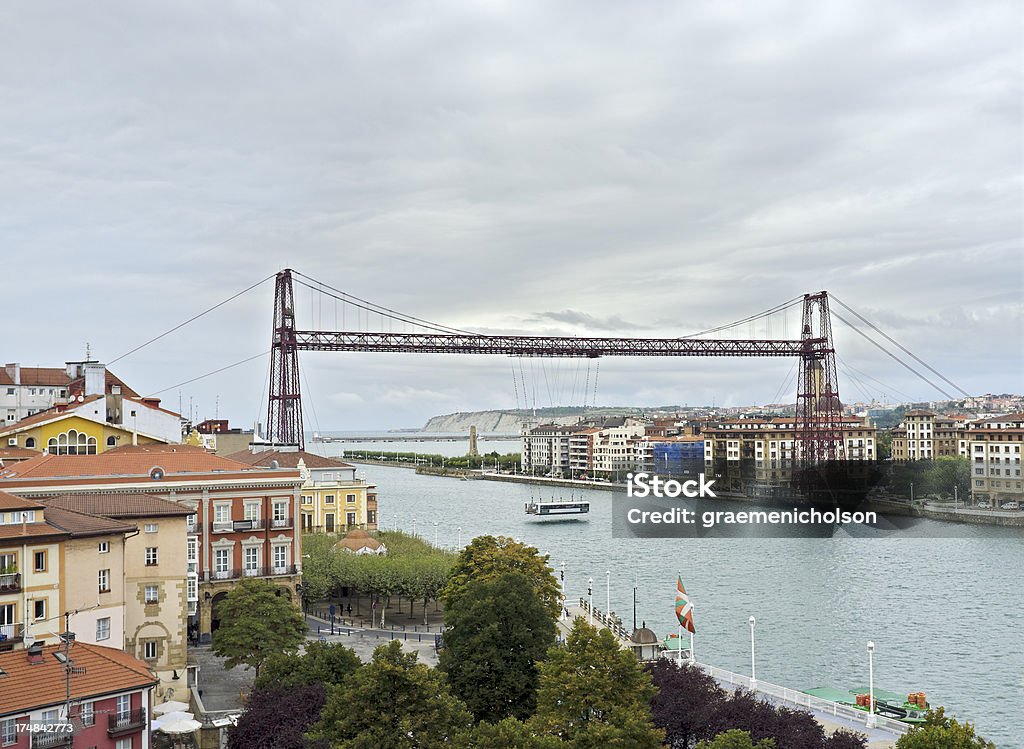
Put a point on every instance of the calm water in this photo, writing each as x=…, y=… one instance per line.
x=945, y=614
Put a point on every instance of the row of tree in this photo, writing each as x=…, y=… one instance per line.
x=411, y=569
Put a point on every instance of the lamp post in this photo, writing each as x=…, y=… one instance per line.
x=459, y=529
x=561, y=577
x=414, y=526
x=911, y=492
x=871, y=685
x=590, y=600
x=608, y=594
x=435, y=533
x=753, y=672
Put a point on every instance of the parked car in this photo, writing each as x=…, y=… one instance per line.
x=984, y=505
x=1010, y=506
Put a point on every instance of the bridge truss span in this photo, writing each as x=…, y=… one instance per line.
x=546, y=346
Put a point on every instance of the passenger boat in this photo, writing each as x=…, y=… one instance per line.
x=557, y=508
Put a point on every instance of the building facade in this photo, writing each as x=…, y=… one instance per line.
x=334, y=498
x=994, y=447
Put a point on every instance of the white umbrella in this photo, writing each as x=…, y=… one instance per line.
x=179, y=725
x=171, y=706
x=176, y=715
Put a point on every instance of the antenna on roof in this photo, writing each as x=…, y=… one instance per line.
x=88, y=352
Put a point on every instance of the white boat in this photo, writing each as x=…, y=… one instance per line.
x=559, y=508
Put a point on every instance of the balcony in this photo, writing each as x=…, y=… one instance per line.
x=123, y=723
x=286, y=569
x=224, y=574
x=47, y=740
x=11, y=633
x=196, y=528
x=281, y=523
x=10, y=583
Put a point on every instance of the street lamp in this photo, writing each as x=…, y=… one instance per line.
x=414, y=526
x=459, y=529
x=435, y=533
x=911, y=492
x=561, y=577
x=608, y=594
x=753, y=672
x=590, y=600
x=871, y=685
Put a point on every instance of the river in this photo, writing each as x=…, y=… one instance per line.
x=945, y=614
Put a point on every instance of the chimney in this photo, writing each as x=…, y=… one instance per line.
x=14, y=372
x=35, y=653
x=95, y=378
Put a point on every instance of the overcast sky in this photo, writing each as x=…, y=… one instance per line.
x=642, y=168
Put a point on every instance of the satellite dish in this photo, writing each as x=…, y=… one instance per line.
x=274, y=465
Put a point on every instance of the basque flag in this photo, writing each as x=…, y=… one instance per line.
x=684, y=609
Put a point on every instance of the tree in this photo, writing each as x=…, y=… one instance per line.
x=592, y=693
x=393, y=702
x=940, y=732
x=844, y=739
x=279, y=719
x=256, y=622
x=686, y=702
x=489, y=557
x=508, y=734
x=496, y=631
x=735, y=739
x=321, y=663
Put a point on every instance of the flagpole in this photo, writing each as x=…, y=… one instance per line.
x=692, y=659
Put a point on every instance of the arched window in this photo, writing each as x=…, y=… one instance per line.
x=51, y=446
x=72, y=442
x=111, y=441
x=30, y=442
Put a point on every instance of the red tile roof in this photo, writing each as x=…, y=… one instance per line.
x=79, y=524
x=27, y=686
x=29, y=530
x=77, y=385
x=286, y=459
x=130, y=460
x=131, y=505
x=10, y=502
x=44, y=376
x=16, y=453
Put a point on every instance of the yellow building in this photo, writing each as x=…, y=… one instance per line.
x=69, y=433
x=333, y=497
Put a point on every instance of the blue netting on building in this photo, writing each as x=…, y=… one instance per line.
x=678, y=458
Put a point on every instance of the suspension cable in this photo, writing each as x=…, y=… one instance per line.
x=898, y=345
x=778, y=308
x=210, y=374
x=191, y=319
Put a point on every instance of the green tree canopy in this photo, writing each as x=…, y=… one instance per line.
x=489, y=557
x=257, y=622
x=508, y=734
x=393, y=702
x=496, y=631
x=321, y=663
x=940, y=732
x=595, y=695
x=736, y=739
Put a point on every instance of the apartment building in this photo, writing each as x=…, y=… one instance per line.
x=110, y=693
x=546, y=449
x=334, y=498
x=614, y=449
x=994, y=447
x=241, y=521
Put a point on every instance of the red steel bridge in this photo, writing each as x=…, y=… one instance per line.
x=818, y=409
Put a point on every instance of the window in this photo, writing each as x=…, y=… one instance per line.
x=124, y=706
x=252, y=558
x=88, y=713
x=252, y=511
x=329, y=499
x=103, y=580
x=104, y=547
x=39, y=608
x=307, y=500
x=222, y=512
x=192, y=588
x=103, y=629
x=280, y=512
x=40, y=561
x=152, y=556
x=192, y=550
x=280, y=556
x=350, y=518
x=149, y=650
x=152, y=594
x=151, y=527
x=111, y=441
x=30, y=442
x=125, y=743
x=10, y=391
x=221, y=560
x=8, y=732
x=351, y=499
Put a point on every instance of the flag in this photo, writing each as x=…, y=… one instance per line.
x=684, y=609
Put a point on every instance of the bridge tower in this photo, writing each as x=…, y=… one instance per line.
x=284, y=402
x=818, y=410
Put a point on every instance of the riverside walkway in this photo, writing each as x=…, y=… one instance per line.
x=831, y=715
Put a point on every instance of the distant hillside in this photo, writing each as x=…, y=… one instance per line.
x=511, y=421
